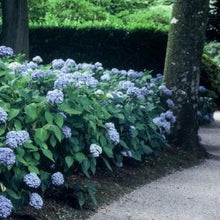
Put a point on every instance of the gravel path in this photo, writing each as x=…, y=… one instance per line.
x=191, y=194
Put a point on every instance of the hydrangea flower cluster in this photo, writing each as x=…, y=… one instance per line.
x=170, y=103
x=37, y=74
x=164, y=121
x=5, y=207
x=126, y=153
x=16, y=138
x=95, y=150
x=7, y=156
x=55, y=96
x=32, y=65
x=57, y=179
x=66, y=131
x=165, y=90
x=202, y=89
x=3, y=115
x=37, y=59
x=58, y=63
x=36, y=201
x=113, y=133
x=5, y=51
x=32, y=180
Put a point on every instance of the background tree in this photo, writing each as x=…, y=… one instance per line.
x=15, y=25
x=182, y=66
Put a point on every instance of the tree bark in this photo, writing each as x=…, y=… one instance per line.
x=182, y=66
x=15, y=32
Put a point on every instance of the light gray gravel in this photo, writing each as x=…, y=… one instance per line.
x=191, y=194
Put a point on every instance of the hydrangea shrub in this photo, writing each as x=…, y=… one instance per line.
x=65, y=118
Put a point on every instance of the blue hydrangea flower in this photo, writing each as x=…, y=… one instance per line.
x=37, y=74
x=163, y=124
x=113, y=133
x=58, y=63
x=165, y=90
x=37, y=59
x=170, y=116
x=202, y=89
x=105, y=77
x=7, y=156
x=125, y=85
x=5, y=51
x=3, y=115
x=70, y=63
x=95, y=150
x=32, y=180
x=16, y=138
x=36, y=201
x=5, y=207
x=57, y=179
x=126, y=153
x=55, y=96
x=66, y=131
x=170, y=103
x=92, y=82
x=32, y=65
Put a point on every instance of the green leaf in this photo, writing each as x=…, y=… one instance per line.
x=33, y=169
x=2, y=130
x=92, y=192
x=18, y=125
x=41, y=134
x=57, y=132
x=107, y=164
x=85, y=167
x=108, y=151
x=13, y=194
x=69, y=110
x=13, y=113
x=59, y=120
x=49, y=117
x=53, y=140
x=36, y=155
x=47, y=153
x=31, y=112
x=69, y=161
x=80, y=157
x=81, y=199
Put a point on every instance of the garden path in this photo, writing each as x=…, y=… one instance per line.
x=191, y=194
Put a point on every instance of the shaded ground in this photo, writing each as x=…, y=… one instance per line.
x=191, y=194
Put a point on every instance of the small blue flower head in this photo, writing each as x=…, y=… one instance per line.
x=58, y=63
x=202, y=89
x=57, y=179
x=16, y=138
x=3, y=116
x=5, y=207
x=32, y=180
x=113, y=133
x=55, y=96
x=126, y=153
x=66, y=131
x=32, y=65
x=5, y=51
x=70, y=63
x=105, y=77
x=7, y=156
x=170, y=103
x=95, y=150
x=170, y=116
x=37, y=59
x=36, y=201
x=165, y=90
x=37, y=74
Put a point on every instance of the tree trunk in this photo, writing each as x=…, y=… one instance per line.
x=15, y=33
x=182, y=66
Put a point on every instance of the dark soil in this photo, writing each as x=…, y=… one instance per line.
x=111, y=186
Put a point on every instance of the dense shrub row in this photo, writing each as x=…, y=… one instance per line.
x=65, y=118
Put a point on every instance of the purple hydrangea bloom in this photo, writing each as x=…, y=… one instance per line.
x=95, y=150
x=105, y=77
x=198, y=113
x=92, y=82
x=5, y=51
x=5, y=207
x=36, y=201
x=66, y=131
x=70, y=63
x=163, y=124
x=16, y=138
x=7, y=156
x=32, y=65
x=202, y=89
x=170, y=116
x=32, y=180
x=113, y=133
x=37, y=59
x=58, y=63
x=126, y=153
x=55, y=96
x=37, y=74
x=125, y=85
x=57, y=179
x=165, y=90
x=170, y=103
x=3, y=115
